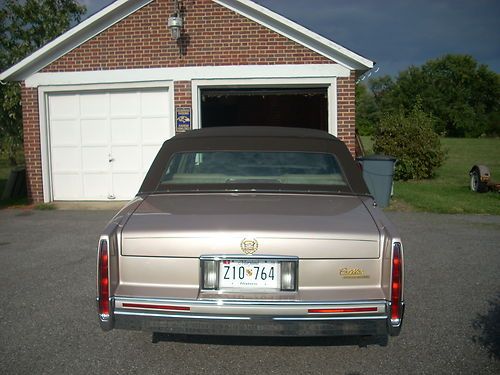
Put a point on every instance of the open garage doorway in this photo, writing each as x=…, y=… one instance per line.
x=286, y=107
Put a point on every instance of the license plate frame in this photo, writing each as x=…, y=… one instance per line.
x=249, y=275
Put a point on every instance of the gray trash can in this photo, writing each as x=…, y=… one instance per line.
x=378, y=173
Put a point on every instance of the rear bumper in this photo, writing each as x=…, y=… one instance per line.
x=253, y=326
x=251, y=318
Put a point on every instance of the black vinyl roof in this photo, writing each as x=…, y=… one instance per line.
x=255, y=138
x=256, y=131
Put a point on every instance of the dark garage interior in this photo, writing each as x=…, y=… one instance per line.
x=288, y=107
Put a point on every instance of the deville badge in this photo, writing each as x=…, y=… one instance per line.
x=353, y=273
x=249, y=246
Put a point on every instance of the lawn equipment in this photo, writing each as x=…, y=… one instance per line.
x=480, y=179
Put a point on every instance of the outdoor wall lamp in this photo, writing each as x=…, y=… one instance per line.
x=175, y=22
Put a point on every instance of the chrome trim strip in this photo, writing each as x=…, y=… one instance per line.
x=237, y=302
x=157, y=315
x=259, y=317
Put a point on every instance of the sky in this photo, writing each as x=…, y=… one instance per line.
x=395, y=34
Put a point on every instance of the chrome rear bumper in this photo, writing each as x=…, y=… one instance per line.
x=250, y=318
x=253, y=326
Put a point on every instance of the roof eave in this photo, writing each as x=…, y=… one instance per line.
x=122, y=8
x=71, y=39
x=298, y=33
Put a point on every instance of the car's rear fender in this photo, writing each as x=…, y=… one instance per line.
x=108, y=260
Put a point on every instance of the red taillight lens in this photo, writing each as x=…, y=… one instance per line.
x=103, y=278
x=342, y=310
x=157, y=307
x=397, y=280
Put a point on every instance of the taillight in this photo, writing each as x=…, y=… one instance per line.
x=103, y=278
x=342, y=310
x=397, y=283
x=157, y=307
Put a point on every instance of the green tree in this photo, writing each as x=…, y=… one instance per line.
x=380, y=87
x=25, y=27
x=367, y=112
x=463, y=96
x=411, y=139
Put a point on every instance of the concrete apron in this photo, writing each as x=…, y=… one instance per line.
x=89, y=205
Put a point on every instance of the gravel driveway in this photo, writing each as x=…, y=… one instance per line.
x=48, y=321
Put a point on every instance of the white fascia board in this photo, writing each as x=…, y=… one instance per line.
x=298, y=33
x=71, y=39
x=187, y=74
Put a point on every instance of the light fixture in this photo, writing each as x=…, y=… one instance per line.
x=175, y=22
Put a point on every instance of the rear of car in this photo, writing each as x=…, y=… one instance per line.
x=255, y=231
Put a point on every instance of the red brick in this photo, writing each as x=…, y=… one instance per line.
x=217, y=36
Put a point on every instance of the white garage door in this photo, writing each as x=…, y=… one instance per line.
x=102, y=143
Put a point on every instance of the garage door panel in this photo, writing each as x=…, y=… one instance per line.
x=64, y=106
x=94, y=105
x=67, y=186
x=95, y=185
x=155, y=129
x=95, y=159
x=65, y=133
x=153, y=104
x=66, y=159
x=126, y=159
x=125, y=131
x=94, y=132
x=124, y=104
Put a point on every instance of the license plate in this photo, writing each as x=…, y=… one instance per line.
x=249, y=274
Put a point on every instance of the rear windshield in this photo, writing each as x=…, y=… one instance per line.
x=228, y=168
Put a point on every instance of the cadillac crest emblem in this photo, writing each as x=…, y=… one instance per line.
x=249, y=246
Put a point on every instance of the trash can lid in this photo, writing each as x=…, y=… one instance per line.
x=377, y=157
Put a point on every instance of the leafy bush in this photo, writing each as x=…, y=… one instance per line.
x=412, y=140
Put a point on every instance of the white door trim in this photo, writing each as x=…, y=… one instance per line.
x=329, y=82
x=45, y=91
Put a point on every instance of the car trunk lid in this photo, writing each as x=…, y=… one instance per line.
x=308, y=226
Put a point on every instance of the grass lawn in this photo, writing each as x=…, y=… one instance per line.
x=449, y=191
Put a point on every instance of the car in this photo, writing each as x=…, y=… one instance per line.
x=252, y=231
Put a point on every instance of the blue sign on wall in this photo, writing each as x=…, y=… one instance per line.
x=182, y=119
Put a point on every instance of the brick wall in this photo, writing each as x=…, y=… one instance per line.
x=213, y=35
x=182, y=93
x=32, y=155
x=346, y=111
